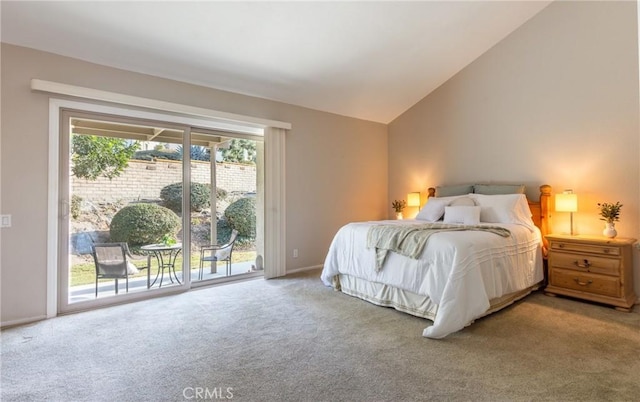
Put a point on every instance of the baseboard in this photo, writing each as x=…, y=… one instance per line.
x=22, y=321
x=296, y=270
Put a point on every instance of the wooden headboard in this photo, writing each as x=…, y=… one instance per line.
x=540, y=212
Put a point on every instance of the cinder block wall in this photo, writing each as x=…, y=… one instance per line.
x=143, y=180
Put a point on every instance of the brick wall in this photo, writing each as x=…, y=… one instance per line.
x=144, y=180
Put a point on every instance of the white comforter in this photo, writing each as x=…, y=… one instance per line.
x=459, y=271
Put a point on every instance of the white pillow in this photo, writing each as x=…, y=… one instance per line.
x=463, y=202
x=432, y=210
x=462, y=215
x=504, y=208
x=131, y=269
x=223, y=254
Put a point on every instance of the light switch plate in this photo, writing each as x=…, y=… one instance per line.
x=5, y=221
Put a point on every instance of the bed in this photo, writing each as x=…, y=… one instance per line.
x=482, y=254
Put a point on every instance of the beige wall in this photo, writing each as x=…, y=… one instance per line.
x=336, y=166
x=555, y=102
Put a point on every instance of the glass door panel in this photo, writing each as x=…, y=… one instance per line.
x=226, y=177
x=121, y=209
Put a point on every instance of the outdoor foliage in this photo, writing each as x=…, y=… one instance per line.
x=139, y=224
x=198, y=153
x=241, y=151
x=76, y=203
x=95, y=156
x=157, y=154
x=241, y=215
x=171, y=196
x=221, y=193
x=223, y=231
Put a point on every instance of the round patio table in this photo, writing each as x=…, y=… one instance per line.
x=166, y=257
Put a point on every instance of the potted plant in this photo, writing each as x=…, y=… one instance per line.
x=610, y=213
x=168, y=240
x=398, y=206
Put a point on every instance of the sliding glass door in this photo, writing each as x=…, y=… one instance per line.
x=127, y=229
x=226, y=193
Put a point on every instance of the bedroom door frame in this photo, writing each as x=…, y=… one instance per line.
x=144, y=108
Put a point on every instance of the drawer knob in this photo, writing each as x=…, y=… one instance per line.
x=584, y=264
x=606, y=250
x=589, y=282
x=561, y=245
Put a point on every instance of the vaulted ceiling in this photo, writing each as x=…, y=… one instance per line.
x=370, y=60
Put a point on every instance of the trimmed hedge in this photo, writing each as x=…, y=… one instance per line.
x=171, y=196
x=241, y=216
x=150, y=155
x=140, y=224
x=223, y=230
x=76, y=204
x=221, y=193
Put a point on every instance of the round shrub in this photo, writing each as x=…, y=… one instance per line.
x=223, y=231
x=76, y=204
x=140, y=224
x=221, y=193
x=241, y=216
x=171, y=196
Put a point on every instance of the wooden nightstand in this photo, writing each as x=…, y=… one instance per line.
x=592, y=268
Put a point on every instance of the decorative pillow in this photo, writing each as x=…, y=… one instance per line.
x=223, y=254
x=463, y=215
x=492, y=189
x=131, y=269
x=504, y=208
x=462, y=202
x=448, y=191
x=432, y=210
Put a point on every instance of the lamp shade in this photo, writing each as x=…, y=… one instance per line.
x=413, y=199
x=567, y=202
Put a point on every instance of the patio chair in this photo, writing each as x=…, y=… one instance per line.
x=215, y=253
x=112, y=261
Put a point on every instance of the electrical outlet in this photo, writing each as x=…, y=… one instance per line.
x=295, y=253
x=5, y=221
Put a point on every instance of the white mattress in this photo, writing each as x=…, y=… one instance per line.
x=458, y=271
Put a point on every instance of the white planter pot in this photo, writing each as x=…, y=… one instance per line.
x=610, y=230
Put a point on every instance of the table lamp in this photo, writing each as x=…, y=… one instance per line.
x=567, y=202
x=413, y=199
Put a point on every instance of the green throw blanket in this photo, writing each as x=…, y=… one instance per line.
x=409, y=240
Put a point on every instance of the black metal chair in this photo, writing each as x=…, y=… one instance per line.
x=215, y=253
x=111, y=260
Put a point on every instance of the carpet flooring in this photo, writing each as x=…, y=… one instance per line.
x=292, y=339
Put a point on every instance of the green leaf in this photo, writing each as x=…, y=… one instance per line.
x=94, y=156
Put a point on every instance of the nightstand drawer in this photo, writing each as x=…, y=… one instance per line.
x=587, y=263
x=585, y=282
x=585, y=248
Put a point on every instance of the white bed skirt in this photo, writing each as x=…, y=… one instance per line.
x=409, y=302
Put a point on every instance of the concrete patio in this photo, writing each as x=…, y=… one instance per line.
x=106, y=287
